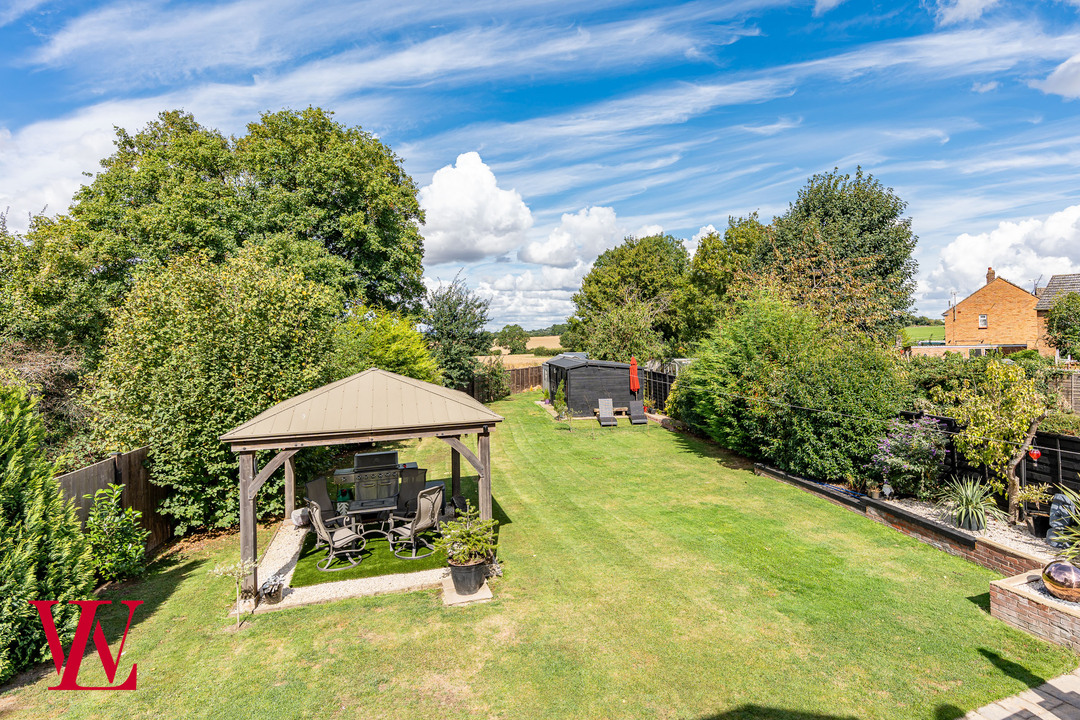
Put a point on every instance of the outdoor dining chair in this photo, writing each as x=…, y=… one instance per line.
x=344, y=542
x=318, y=497
x=607, y=413
x=426, y=518
x=412, y=482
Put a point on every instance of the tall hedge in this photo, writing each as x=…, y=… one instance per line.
x=43, y=555
x=197, y=349
x=775, y=383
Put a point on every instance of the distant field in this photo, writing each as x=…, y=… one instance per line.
x=915, y=333
x=544, y=341
x=516, y=361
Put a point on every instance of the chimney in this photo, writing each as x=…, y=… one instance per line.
x=990, y=275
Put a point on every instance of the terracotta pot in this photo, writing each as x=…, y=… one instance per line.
x=1062, y=580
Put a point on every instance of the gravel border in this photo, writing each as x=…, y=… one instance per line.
x=1016, y=537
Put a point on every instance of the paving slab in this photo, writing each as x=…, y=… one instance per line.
x=450, y=595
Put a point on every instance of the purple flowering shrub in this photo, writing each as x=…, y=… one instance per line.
x=910, y=456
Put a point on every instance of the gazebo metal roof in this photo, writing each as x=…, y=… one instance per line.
x=374, y=403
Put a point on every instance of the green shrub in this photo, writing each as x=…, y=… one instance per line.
x=547, y=352
x=1062, y=423
x=968, y=503
x=776, y=383
x=468, y=539
x=369, y=338
x=43, y=554
x=197, y=349
x=910, y=455
x=117, y=541
x=492, y=380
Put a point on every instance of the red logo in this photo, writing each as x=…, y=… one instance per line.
x=68, y=669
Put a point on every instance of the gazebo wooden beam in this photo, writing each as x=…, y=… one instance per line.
x=248, y=550
x=298, y=442
x=482, y=465
x=269, y=470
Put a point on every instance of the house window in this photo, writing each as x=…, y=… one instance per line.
x=975, y=352
x=982, y=322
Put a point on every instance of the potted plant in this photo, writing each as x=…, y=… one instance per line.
x=469, y=543
x=969, y=502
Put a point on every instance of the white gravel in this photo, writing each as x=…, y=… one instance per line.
x=283, y=551
x=1014, y=536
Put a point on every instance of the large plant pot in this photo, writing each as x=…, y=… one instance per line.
x=468, y=578
x=1062, y=580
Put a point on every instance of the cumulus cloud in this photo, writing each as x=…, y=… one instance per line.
x=468, y=216
x=579, y=237
x=702, y=232
x=534, y=298
x=958, y=11
x=1020, y=252
x=1064, y=81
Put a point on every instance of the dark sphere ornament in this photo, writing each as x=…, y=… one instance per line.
x=1062, y=580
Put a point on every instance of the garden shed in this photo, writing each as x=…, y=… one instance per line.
x=589, y=380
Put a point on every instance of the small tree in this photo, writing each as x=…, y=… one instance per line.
x=383, y=339
x=513, y=338
x=236, y=572
x=455, y=317
x=999, y=418
x=493, y=379
x=43, y=553
x=1063, y=324
x=626, y=329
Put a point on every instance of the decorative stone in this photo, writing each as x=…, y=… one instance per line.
x=1062, y=580
x=300, y=517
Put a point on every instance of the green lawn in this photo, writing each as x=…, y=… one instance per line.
x=915, y=333
x=647, y=575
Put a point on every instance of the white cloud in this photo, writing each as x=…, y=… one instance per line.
x=957, y=11
x=1064, y=80
x=468, y=216
x=1020, y=252
x=15, y=9
x=534, y=298
x=578, y=238
x=705, y=230
x=985, y=87
x=647, y=230
x=823, y=6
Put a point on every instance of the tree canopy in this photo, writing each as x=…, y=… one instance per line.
x=1063, y=324
x=385, y=339
x=455, y=318
x=513, y=338
x=309, y=187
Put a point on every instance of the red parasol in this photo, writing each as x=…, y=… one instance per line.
x=634, y=384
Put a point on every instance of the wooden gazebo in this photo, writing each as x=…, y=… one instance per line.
x=372, y=406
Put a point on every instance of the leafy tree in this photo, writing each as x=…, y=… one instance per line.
x=776, y=382
x=455, y=318
x=383, y=339
x=554, y=329
x=574, y=337
x=306, y=187
x=314, y=178
x=999, y=418
x=491, y=380
x=1063, y=324
x=654, y=266
x=845, y=237
x=718, y=261
x=117, y=539
x=626, y=329
x=43, y=554
x=513, y=338
x=198, y=348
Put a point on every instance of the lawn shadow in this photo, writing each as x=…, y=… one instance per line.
x=760, y=712
x=153, y=589
x=1013, y=670
x=707, y=448
x=982, y=601
x=948, y=712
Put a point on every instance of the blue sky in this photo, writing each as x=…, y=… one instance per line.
x=542, y=134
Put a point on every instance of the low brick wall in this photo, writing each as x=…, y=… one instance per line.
x=1027, y=610
x=989, y=554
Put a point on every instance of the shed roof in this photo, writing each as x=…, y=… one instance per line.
x=566, y=361
x=369, y=403
x=1058, y=285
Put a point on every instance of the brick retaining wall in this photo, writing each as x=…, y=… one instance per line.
x=1024, y=609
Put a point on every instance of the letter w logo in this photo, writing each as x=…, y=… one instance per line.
x=69, y=669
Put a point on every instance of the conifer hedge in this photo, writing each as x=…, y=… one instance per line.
x=43, y=554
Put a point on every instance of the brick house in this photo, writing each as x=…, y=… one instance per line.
x=1059, y=285
x=998, y=316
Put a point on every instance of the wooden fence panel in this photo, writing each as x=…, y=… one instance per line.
x=521, y=379
x=1069, y=389
x=129, y=470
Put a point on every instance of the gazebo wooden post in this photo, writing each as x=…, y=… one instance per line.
x=485, y=474
x=455, y=473
x=248, y=549
x=290, y=486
